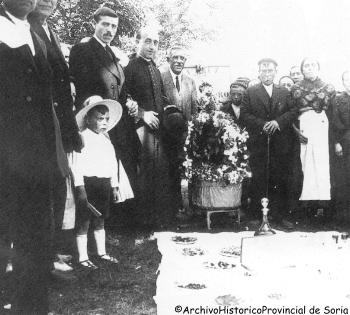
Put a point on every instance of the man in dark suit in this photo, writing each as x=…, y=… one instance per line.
x=95, y=70
x=31, y=148
x=181, y=91
x=144, y=84
x=268, y=113
x=63, y=104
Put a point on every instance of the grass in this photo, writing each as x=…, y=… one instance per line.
x=126, y=288
x=129, y=287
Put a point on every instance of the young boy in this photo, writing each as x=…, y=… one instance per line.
x=95, y=172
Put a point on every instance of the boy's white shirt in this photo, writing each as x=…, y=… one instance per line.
x=97, y=158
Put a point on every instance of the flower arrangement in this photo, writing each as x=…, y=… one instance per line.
x=216, y=149
x=317, y=98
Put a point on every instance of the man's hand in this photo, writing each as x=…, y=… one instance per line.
x=73, y=91
x=81, y=196
x=133, y=107
x=338, y=149
x=270, y=127
x=302, y=138
x=151, y=119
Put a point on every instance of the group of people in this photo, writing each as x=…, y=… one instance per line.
x=115, y=137
x=89, y=126
x=298, y=144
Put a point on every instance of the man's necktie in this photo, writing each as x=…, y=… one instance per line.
x=157, y=91
x=177, y=84
x=110, y=53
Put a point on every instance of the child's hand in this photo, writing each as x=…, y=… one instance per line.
x=115, y=194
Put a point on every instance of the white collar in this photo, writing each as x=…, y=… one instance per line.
x=236, y=109
x=148, y=60
x=100, y=41
x=46, y=29
x=268, y=88
x=18, y=21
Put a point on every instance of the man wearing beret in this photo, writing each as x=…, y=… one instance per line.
x=181, y=91
x=95, y=70
x=233, y=106
x=268, y=112
x=31, y=147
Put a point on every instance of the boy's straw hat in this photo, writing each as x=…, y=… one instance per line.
x=115, y=111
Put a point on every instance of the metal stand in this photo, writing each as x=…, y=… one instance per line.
x=265, y=228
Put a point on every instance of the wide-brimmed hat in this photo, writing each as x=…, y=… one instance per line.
x=114, y=108
x=174, y=122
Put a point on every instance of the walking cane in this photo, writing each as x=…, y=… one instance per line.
x=265, y=228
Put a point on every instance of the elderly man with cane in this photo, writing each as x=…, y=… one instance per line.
x=268, y=113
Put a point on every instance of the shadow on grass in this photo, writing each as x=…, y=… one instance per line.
x=126, y=288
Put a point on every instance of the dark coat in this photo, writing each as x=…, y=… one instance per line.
x=227, y=108
x=63, y=102
x=27, y=158
x=257, y=109
x=94, y=73
x=153, y=184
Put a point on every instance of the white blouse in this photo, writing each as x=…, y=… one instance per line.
x=97, y=158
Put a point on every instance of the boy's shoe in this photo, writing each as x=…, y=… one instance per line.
x=108, y=258
x=87, y=265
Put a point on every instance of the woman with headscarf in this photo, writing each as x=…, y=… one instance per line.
x=313, y=98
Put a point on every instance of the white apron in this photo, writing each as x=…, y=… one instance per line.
x=315, y=156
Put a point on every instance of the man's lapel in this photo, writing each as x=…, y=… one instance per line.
x=169, y=82
x=103, y=58
x=57, y=45
x=264, y=97
x=275, y=97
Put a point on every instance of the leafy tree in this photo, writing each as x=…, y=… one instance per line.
x=73, y=18
x=179, y=24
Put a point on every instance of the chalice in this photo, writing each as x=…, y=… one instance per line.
x=265, y=228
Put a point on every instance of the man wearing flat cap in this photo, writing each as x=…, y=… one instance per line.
x=96, y=70
x=268, y=112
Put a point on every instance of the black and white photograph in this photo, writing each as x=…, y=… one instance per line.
x=164, y=157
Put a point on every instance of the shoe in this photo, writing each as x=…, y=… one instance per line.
x=64, y=258
x=87, y=264
x=62, y=266
x=108, y=258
